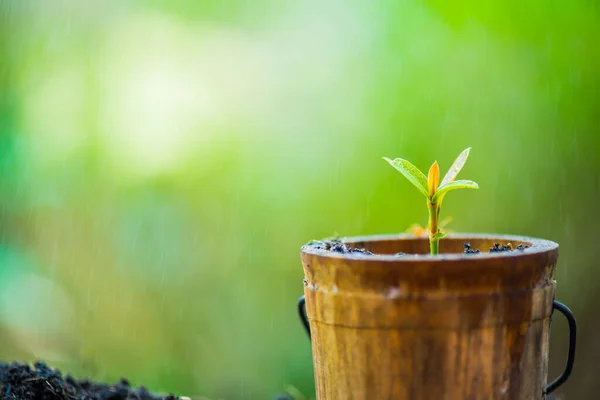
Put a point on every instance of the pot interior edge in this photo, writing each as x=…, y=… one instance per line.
x=450, y=246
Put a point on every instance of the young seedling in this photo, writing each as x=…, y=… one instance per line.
x=433, y=190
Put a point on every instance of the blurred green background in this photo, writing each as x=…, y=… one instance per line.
x=161, y=163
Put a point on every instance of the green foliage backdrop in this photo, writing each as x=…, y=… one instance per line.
x=162, y=162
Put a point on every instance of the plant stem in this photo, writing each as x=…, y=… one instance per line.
x=434, y=240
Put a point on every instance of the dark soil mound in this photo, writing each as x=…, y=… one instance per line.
x=337, y=247
x=22, y=382
x=469, y=250
x=497, y=248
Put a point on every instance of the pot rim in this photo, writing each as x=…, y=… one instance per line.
x=537, y=246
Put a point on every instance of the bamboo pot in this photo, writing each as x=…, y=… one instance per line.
x=421, y=327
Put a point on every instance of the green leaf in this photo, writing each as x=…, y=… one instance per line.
x=461, y=184
x=412, y=173
x=441, y=235
x=456, y=166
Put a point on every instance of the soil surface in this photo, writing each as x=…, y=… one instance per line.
x=497, y=248
x=337, y=246
x=40, y=382
x=469, y=250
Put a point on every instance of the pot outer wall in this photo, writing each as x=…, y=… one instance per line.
x=451, y=327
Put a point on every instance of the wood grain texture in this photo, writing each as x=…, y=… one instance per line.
x=450, y=327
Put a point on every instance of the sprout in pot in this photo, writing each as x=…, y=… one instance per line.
x=388, y=321
x=433, y=190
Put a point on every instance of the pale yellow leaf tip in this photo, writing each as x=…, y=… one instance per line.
x=433, y=178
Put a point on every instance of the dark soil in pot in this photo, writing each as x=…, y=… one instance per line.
x=497, y=248
x=40, y=382
x=337, y=246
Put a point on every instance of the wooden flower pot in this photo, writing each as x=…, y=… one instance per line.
x=419, y=327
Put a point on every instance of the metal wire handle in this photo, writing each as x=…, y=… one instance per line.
x=564, y=310
x=303, y=316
